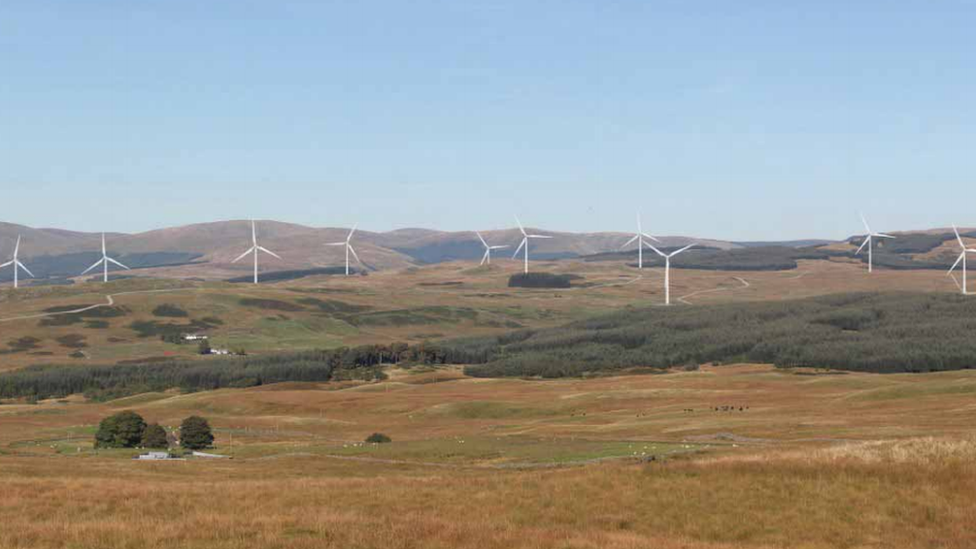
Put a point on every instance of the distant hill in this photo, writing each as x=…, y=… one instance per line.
x=206, y=250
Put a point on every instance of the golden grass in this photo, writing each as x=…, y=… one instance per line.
x=814, y=462
x=305, y=502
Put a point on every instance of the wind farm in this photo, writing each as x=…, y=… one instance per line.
x=265, y=281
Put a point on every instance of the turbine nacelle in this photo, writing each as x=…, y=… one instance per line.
x=255, y=249
x=869, y=242
x=347, y=243
x=667, y=268
x=639, y=238
x=488, y=248
x=104, y=262
x=961, y=259
x=15, y=262
x=525, y=243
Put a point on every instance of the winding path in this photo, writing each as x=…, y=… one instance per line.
x=745, y=284
x=109, y=302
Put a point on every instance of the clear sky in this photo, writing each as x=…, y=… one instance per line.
x=739, y=119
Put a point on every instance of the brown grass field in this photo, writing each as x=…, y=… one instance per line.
x=812, y=460
x=726, y=457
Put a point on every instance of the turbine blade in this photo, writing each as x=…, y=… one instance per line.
x=657, y=251
x=499, y=247
x=352, y=232
x=336, y=244
x=354, y=254
x=639, y=229
x=103, y=244
x=269, y=252
x=519, y=249
x=7, y=264
x=882, y=235
x=956, y=264
x=682, y=250
x=254, y=233
x=482, y=239
x=958, y=237
x=97, y=263
x=485, y=257
x=538, y=236
x=650, y=237
x=863, y=244
x=117, y=263
x=521, y=228
x=17, y=247
x=865, y=221
x=243, y=255
x=631, y=241
x=25, y=269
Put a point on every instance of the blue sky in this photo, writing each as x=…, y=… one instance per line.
x=733, y=119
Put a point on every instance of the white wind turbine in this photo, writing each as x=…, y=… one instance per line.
x=962, y=258
x=17, y=264
x=525, y=243
x=104, y=261
x=349, y=249
x=667, y=269
x=639, y=237
x=487, y=257
x=869, y=242
x=256, y=249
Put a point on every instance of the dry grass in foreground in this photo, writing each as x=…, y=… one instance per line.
x=904, y=495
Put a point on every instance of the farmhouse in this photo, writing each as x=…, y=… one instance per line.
x=154, y=456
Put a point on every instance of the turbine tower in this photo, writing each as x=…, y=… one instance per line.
x=961, y=258
x=639, y=237
x=104, y=261
x=869, y=242
x=525, y=243
x=349, y=249
x=17, y=265
x=487, y=257
x=667, y=269
x=255, y=249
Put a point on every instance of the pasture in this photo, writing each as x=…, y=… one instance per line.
x=734, y=456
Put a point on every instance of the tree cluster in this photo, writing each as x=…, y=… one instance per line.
x=891, y=332
x=129, y=430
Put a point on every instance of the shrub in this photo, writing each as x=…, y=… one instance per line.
x=72, y=341
x=195, y=433
x=122, y=430
x=540, y=280
x=378, y=438
x=170, y=310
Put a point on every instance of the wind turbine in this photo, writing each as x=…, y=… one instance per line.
x=104, y=261
x=962, y=258
x=17, y=264
x=255, y=249
x=868, y=241
x=349, y=249
x=639, y=237
x=525, y=243
x=667, y=269
x=487, y=257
